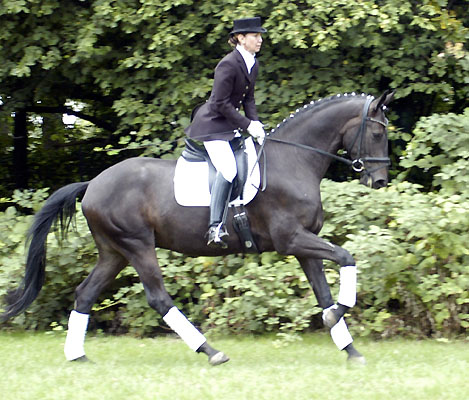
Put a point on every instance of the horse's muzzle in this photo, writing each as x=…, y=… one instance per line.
x=373, y=181
x=380, y=183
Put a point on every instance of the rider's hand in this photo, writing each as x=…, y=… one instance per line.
x=256, y=129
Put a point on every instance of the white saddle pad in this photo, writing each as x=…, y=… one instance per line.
x=191, y=187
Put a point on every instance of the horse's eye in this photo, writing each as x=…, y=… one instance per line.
x=378, y=135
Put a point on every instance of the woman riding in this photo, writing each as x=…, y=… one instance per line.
x=219, y=120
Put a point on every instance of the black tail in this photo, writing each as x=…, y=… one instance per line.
x=59, y=208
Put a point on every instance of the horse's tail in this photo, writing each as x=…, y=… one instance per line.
x=59, y=208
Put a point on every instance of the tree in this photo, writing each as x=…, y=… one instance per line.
x=139, y=66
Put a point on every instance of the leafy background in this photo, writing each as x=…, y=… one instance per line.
x=410, y=245
x=133, y=70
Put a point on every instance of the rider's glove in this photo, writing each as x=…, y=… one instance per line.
x=256, y=129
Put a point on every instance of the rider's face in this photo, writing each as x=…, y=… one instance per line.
x=252, y=42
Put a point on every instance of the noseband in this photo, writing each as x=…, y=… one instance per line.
x=358, y=164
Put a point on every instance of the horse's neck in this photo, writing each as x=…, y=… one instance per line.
x=323, y=129
x=323, y=132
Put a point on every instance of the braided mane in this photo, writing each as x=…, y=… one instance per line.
x=315, y=106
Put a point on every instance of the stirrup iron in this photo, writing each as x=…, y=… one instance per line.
x=215, y=235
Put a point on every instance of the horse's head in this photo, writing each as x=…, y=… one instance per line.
x=365, y=139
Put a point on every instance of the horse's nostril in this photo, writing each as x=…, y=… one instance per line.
x=380, y=183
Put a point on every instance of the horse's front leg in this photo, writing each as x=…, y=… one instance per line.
x=310, y=249
x=314, y=270
x=306, y=245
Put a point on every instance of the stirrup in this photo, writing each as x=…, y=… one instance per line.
x=215, y=234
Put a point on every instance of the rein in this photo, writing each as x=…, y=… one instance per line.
x=315, y=149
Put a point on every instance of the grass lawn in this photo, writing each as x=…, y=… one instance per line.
x=33, y=367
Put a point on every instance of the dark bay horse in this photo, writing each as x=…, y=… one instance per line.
x=130, y=209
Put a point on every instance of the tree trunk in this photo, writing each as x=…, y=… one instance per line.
x=20, y=151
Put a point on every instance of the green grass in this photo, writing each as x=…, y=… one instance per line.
x=32, y=366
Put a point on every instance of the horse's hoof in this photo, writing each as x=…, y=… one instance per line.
x=82, y=359
x=329, y=318
x=356, y=360
x=218, y=358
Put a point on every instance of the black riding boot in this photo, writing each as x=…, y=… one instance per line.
x=221, y=190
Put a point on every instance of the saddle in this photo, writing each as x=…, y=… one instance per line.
x=195, y=152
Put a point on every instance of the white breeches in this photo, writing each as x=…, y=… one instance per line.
x=222, y=158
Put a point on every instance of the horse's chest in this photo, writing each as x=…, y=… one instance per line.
x=309, y=212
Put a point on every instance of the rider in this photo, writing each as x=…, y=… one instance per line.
x=218, y=121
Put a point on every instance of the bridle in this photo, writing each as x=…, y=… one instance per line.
x=359, y=163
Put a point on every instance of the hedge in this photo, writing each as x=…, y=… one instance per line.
x=410, y=247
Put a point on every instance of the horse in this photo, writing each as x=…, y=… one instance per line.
x=130, y=209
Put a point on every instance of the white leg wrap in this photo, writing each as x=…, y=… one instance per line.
x=181, y=325
x=340, y=334
x=75, y=341
x=348, y=286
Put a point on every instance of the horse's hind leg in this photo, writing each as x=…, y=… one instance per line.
x=314, y=271
x=108, y=266
x=145, y=263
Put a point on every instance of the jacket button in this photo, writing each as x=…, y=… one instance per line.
x=237, y=109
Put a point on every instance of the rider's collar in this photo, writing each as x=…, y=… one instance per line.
x=249, y=58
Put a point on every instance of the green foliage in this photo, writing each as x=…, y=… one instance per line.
x=440, y=147
x=411, y=249
x=66, y=265
x=232, y=293
x=138, y=67
x=141, y=66
x=223, y=294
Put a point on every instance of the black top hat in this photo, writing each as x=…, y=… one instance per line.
x=247, y=25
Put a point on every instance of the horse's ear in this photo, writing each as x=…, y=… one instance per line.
x=383, y=100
